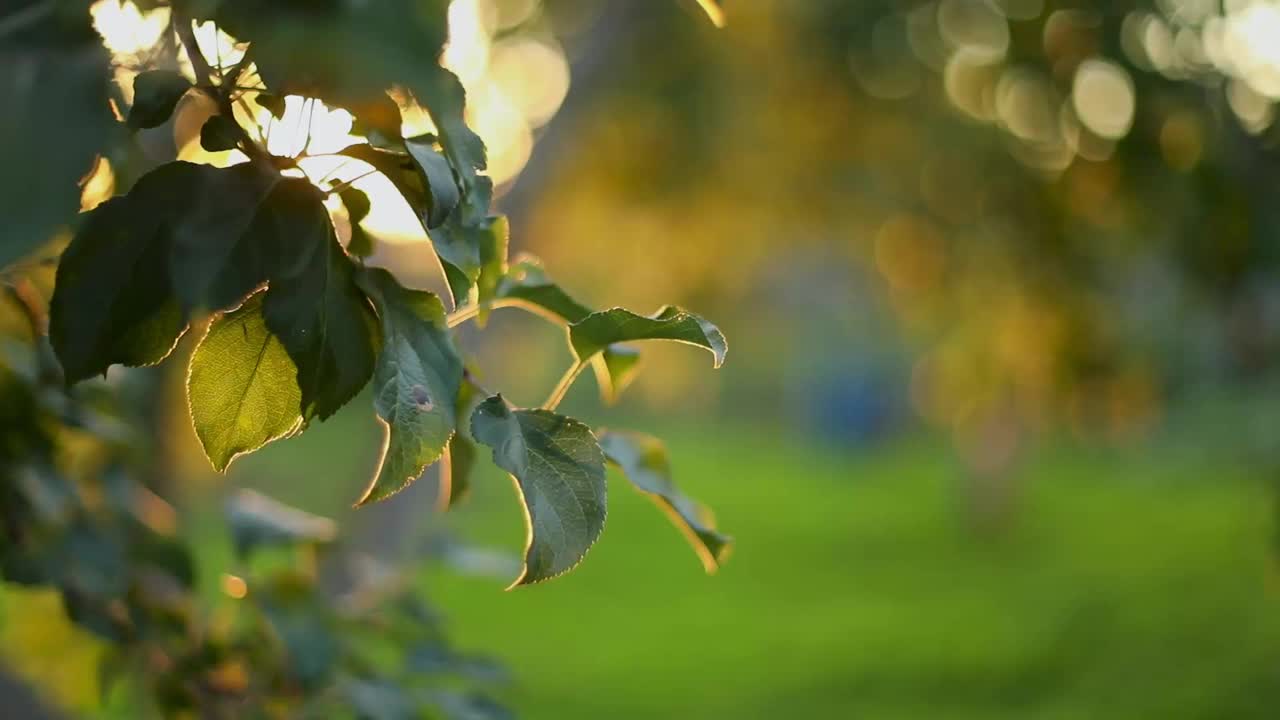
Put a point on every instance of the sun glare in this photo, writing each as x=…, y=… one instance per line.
x=515, y=84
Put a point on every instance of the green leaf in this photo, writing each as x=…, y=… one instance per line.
x=398, y=167
x=313, y=304
x=259, y=521
x=242, y=388
x=459, y=463
x=273, y=103
x=221, y=233
x=615, y=367
x=526, y=284
x=493, y=263
x=416, y=382
x=54, y=77
x=559, y=470
x=437, y=177
x=113, y=301
x=356, y=202
x=218, y=134
x=445, y=101
x=643, y=459
x=599, y=330
x=155, y=94
x=458, y=241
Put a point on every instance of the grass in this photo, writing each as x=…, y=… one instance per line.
x=1129, y=587
x=1133, y=584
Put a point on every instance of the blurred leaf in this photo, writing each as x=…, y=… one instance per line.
x=493, y=263
x=219, y=133
x=379, y=700
x=416, y=382
x=438, y=179
x=113, y=301
x=598, y=330
x=242, y=388
x=314, y=306
x=559, y=470
x=382, y=45
x=468, y=706
x=54, y=77
x=615, y=367
x=456, y=472
x=714, y=11
x=259, y=521
x=155, y=94
x=643, y=459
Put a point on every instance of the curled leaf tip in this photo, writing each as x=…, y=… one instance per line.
x=714, y=12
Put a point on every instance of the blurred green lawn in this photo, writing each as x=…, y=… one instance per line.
x=1135, y=584
x=1131, y=587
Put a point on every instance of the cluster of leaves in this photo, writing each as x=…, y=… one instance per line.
x=299, y=324
x=75, y=517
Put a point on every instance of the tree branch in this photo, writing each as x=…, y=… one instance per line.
x=204, y=82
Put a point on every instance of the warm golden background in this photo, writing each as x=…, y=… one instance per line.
x=1000, y=424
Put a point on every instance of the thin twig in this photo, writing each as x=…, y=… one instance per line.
x=186, y=34
x=562, y=388
x=343, y=186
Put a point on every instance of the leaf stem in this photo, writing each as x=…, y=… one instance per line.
x=181, y=21
x=344, y=185
x=562, y=388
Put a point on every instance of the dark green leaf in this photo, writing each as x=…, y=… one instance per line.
x=643, y=459
x=313, y=304
x=456, y=472
x=218, y=134
x=526, y=284
x=438, y=179
x=54, y=77
x=259, y=521
x=415, y=383
x=398, y=167
x=243, y=386
x=113, y=301
x=445, y=100
x=356, y=202
x=155, y=94
x=599, y=330
x=222, y=233
x=493, y=263
x=273, y=103
x=559, y=470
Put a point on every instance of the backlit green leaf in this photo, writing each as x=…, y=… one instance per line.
x=598, y=330
x=242, y=389
x=441, y=93
x=615, y=368
x=442, y=189
x=559, y=470
x=643, y=459
x=415, y=382
x=155, y=94
x=526, y=284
